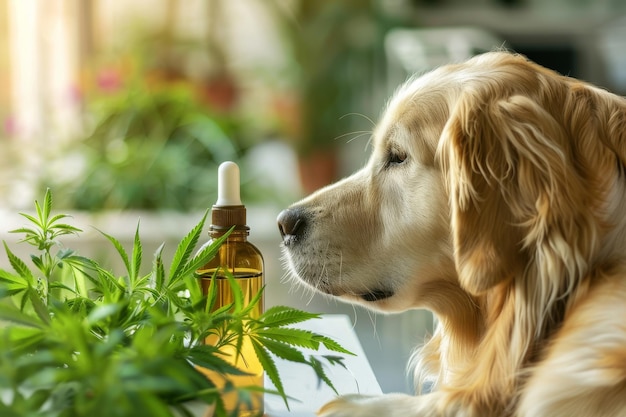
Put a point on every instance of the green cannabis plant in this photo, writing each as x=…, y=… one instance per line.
x=78, y=340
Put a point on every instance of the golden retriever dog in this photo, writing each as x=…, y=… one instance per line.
x=495, y=197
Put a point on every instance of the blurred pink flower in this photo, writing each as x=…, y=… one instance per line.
x=109, y=80
x=10, y=126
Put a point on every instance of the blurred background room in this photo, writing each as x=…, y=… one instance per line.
x=124, y=109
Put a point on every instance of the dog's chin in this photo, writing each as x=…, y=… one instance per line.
x=377, y=299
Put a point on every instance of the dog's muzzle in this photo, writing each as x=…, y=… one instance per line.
x=294, y=224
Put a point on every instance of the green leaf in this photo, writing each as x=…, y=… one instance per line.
x=58, y=217
x=253, y=301
x=321, y=374
x=236, y=328
x=19, y=266
x=283, y=350
x=269, y=366
x=21, y=340
x=7, y=411
x=143, y=283
x=37, y=399
x=206, y=253
x=195, y=290
x=38, y=262
x=137, y=255
x=80, y=269
x=211, y=293
x=110, y=344
x=282, y=316
x=330, y=344
x=25, y=230
x=65, y=229
x=33, y=220
x=292, y=336
x=335, y=360
x=47, y=207
x=238, y=296
x=207, y=357
x=80, y=306
x=14, y=315
x=13, y=283
x=102, y=312
x=222, y=314
x=80, y=281
x=107, y=283
x=62, y=286
x=184, y=249
x=120, y=250
x=38, y=305
x=158, y=270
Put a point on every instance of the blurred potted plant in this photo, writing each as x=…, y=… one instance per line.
x=152, y=148
x=79, y=340
x=155, y=140
x=335, y=46
x=156, y=132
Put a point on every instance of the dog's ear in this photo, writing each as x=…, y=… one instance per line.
x=516, y=198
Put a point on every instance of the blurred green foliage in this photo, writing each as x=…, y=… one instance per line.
x=151, y=149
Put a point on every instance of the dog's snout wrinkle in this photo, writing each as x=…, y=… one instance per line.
x=291, y=224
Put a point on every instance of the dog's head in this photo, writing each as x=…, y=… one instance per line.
x=480, y=171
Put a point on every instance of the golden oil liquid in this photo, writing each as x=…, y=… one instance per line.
x=251, y=282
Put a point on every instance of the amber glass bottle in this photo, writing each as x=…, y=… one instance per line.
x=245, y=263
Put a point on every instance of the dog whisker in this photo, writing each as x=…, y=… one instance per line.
x=355, y=317
x=340, y=277
x=356, y=134
x=373, y=123
x=374, y=321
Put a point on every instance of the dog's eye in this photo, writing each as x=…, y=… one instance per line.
x=396, y=157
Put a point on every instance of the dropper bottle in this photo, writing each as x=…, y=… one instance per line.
x=245, y=262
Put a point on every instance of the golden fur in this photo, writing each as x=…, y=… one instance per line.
x=495, y=197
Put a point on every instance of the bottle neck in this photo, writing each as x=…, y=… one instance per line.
x=237, y=235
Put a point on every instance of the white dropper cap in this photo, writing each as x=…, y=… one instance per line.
x=228, y=184
x=228, y=210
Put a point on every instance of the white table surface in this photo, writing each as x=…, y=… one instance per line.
x=301, y=383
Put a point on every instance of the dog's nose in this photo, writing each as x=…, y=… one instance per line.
x=291, y=224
